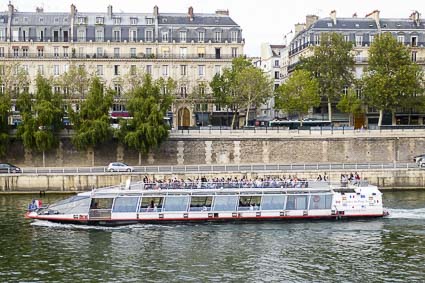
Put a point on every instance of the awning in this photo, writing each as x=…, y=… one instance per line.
x=201, y=50
x=40, y=47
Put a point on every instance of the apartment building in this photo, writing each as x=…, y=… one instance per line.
x=187, y=47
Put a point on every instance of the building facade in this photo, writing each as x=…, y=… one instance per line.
x=361, y=32
x=189, y=48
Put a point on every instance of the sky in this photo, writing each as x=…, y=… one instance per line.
x=266, y=21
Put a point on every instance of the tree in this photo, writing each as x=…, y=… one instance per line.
x=241, y=87
x=350, y=103
x=14, y=78
x=148, y=105
x=42, y=119
x=332, y=64
x=76, y=81
x=4, y=121
x=199, y=95
x=91, y=123
x=391, y=78
x=298, y=94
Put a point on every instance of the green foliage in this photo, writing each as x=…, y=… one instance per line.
x=350, y=103
x=148, y=105
x=42, y=118
x=241, y=87
x=332, y=64
x=76, y=80
x=392, y=79
x=298, y=94
x=4, y=119
x=91, y=123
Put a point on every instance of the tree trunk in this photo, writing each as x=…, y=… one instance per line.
x=140, y=158
x=44, y=159
x=381, y=114
x=247, y=114
x=301, y=117
x=233, y=120
x=91, y=151
x=329, y=110
x=393, y=119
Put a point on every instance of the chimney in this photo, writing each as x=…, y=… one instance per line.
x=222, y=12
x=355, y=15
x=299, y=27
x=374, y=15
x=39, y=10
x=155, y=11
x=333, y=16
x=190, y=13
x=310, y=20
x=73, y=10
x=415, y=16
x=10, y=8
x=110, y=11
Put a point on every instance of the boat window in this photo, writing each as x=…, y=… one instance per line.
x=273, y=202
x=77, y=205
x=176, y=203
x=249, y=203
x=225, y=203
x=125, y=204
x=151, y=204
x=297, y=202
x=320, y=202
x=101, y=203
x=200, y=203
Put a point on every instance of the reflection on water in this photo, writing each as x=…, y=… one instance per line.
x=391, y=249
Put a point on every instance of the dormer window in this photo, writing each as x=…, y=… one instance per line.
x=16, y=20
x=133, y=21
x=26, y=20
x=41, y=20
x=81, y=20
x=99, y=20
x=56, y=20
x=329, y=25
x=117, y=21
x=149, y=21
x=357, y=25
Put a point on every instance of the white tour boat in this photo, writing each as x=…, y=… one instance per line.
x=230, y=201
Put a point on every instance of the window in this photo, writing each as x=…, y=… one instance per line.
x=176, y=203
x=200, y=203
x=183, y=70
x=41, y=20
x=133, y=52
x=201, y=52
x=234, y=36
x=25, y=51
x=400, y=39
x=149, y=35
x=234, y=52
x=148, y=51
x=56, y=89
x=117, y=21
x=56, y=70
x=371, y=38
x=276, y=75
x=183, y=36
x=295, y=202
x=201, y=70
x=276, y=63
x=166, y=52
x=25, y=69
x=132, y=37
x=133, y=21
x=217, y=36
x=133, y=70
x=15, y=52
x=117, y=88
x=99, y=52
x=217, y=69
x=65, y=51
x=56, y=51
x=99, y=20
x=1, y=51
x=99, y=35
x=116, y=70
x=2, y=71
x=149, y=69
x=81, y=35
x=183, y=91
x=116, y=35
x=359, y=40
x=329, y=25
x=99, y=70
x=116, y=52
x=164, y=36
x=65, y=68
x=165, y=70
x=149, y=21
x=225, y=203
x=346, y=38
x=81, y=20
x=201, y=36
x=125, y=204
x=414, y=56
x=40, y=52
x=316, y=39
x=183, y=52
x=414, y=41
x=273, y=202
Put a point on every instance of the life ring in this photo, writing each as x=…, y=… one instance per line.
x=316, y=198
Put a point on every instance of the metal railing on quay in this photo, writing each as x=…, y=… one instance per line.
x=218, y=168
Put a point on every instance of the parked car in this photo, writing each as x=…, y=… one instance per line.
x=9, y=168
x=119, y=167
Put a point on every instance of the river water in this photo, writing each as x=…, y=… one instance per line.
x=390, y=249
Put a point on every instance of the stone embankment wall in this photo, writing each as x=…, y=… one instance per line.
x=386, y=179
x=230, y=149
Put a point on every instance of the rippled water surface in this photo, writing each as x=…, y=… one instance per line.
x=390, y=250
